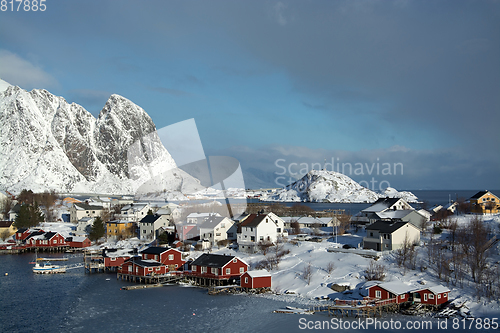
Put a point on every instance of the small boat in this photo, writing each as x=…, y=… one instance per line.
x=43, y=266
x=48, y=268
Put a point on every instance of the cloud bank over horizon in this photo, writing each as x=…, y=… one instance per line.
x=411, y=82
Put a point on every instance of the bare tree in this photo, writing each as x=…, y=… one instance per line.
x=330, y=267
x=7, y=204
x=264, y=246
x=344, y=225
x=307, y=273
x=295, y=225
x=375, y=271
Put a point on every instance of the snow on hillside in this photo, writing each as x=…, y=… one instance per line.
x=49, y=144
x=321, y=186
x=390, y=192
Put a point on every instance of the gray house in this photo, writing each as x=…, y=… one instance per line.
x=387, y=236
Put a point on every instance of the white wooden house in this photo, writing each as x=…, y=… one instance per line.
x=258, y=228
x=218, y=228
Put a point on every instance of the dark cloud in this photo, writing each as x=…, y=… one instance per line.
x=402, y=168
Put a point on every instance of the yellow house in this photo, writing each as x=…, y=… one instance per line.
x=484, y=202
x=120, y=229
x=7, y=229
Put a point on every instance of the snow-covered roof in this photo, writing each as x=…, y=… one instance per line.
x=258, y=273
x=394, y=214
x=197, y=215
x=381, y=204
x=397, y=287
x=437, y=289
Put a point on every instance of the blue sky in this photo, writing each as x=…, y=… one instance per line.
x=411, y=82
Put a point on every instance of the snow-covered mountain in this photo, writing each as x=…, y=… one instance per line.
x=323, y=186
x=47, y=143
x=390, y=192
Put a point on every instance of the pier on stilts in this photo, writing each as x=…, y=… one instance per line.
x=350, y=308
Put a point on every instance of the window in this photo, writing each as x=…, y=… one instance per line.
x=176, y=265
x=242, y=270
x=378, y=294
x=278, y=230
x=439, y=296
x=403, y=296
x=371, y=234
x=431, y=296
x=113, y=259
x=261, y=237
x=54, y=241
x=228, y=271
x=445, y=295
x=130, y=268
x=170, y=257
x=214, y=271
x=223, y=225
x=203, y=269
x=156, y=257
x=193, y=268
x=150, y=269
x=217, y=234
x=246, y=279
x=235, y=260
x=425, y=297
x=157, y=269
x=252, y=238
x=251, y=229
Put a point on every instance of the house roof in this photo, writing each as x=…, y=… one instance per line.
x=155, y=250
x=136, y=207
x=381, y=204
x=479, y=194
x=438, y=289
x=144, y=263
x=212, y=260
x=396, y=287
x=394, y=214
x=211, y=222
x=253, y=220
x=150, y=218
x=6, y=224
x=164, y=211
x=76, y=239
x=84, y=206
x=386, y=227
x=258, y=273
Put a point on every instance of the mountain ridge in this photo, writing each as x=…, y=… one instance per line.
x=47, y=143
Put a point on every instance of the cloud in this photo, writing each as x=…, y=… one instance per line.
x=20, y=72
x=92, y=100
x=169, y=91
x=397, y=166
x=279, y=9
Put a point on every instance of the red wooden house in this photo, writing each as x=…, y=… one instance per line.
x=172, y=258
x=140, y=267
x=256, y=279
x=398, y=291
x=23, y=233
x=45, y=239
x=218, y=266
x=114, y=258
x=78, y=241
x=435, y=295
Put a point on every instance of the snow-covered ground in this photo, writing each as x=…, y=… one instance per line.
x=289, y=282
x=349, y=270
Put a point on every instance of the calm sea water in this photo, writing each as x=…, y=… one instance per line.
x=79, y=302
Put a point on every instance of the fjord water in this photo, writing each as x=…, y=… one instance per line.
x=79, y=302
